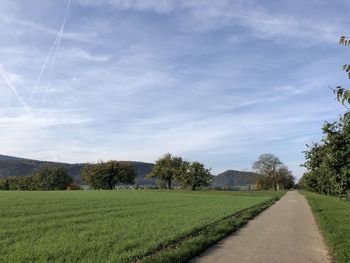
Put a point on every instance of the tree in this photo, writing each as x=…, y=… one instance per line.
x=268, y=165
x=50, y=178
x=195, y=175
x=328, y=162
x=20, y=183
x=263, y=183
x=284, y=178
x=168, y=169
x=4, y=184
x=343, y=95
x=106, y=175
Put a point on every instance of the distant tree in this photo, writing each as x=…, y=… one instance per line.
x=160, y=184
x=195, y=175
x=4, y=184
x=20, y=183
x=264, y=183
x=268, y=165
x=284, y=178
x=168, y=169
x=106, y=175
x=50, y=177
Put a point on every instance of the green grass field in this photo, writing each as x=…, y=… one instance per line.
x=333, y=216
x=107, y=226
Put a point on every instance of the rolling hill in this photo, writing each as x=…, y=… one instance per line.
x=15, y=166
x=234, y=178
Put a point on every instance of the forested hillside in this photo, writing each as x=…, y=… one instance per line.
x=14, y=166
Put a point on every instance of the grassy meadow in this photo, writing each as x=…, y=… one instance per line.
x=333, y=216
x=108, y=226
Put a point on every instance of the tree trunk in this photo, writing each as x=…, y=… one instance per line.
x=274, y=183
x=193, y=187
x=111, y=185
x=169, y=183
x=348, y=195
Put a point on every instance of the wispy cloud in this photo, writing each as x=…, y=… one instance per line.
x=218, y=81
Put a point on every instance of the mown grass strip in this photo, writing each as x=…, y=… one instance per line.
x=192, y=244
x=333, y=217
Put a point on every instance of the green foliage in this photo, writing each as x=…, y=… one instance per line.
x=168, y=168
x=4, y=184
x=51, y=178
x=106, y=175
x=328, y=162
x=333, y=216
x=108, y=226
x=45, y=178
x=160, y=184
x=343, y=95
x=195, y=175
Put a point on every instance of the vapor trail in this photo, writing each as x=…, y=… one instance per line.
x=48, y=84
x=53, y=48
x=14, y=89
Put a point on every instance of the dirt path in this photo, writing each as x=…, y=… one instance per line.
x=285, y=232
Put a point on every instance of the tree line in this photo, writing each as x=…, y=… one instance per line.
x=274, y=173
x=328, y=162
x=107, y=175
x=44, y=179
x=169, y=170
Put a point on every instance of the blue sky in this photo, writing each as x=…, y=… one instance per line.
x=215, y=81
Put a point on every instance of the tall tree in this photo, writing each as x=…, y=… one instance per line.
x=284, y=178
x=195, y=175
x=168, y=168
x=106, y=175
x=268, y=165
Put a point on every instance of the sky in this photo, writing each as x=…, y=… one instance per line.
x=220, y=82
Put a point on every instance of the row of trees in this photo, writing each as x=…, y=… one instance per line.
x=328, y=162
x=168, y=170
x=274, y=174
x=45, y=178
x=173, y=169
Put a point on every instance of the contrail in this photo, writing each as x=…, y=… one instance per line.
x=53, y=48
x=13, y=88
x=48, y=83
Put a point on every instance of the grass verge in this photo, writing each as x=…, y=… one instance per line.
x=333, y=217
x=192, y=244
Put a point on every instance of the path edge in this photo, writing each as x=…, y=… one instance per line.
x=192, y=244
x=330, y=251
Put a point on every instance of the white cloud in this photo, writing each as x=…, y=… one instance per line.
x=136, y=85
